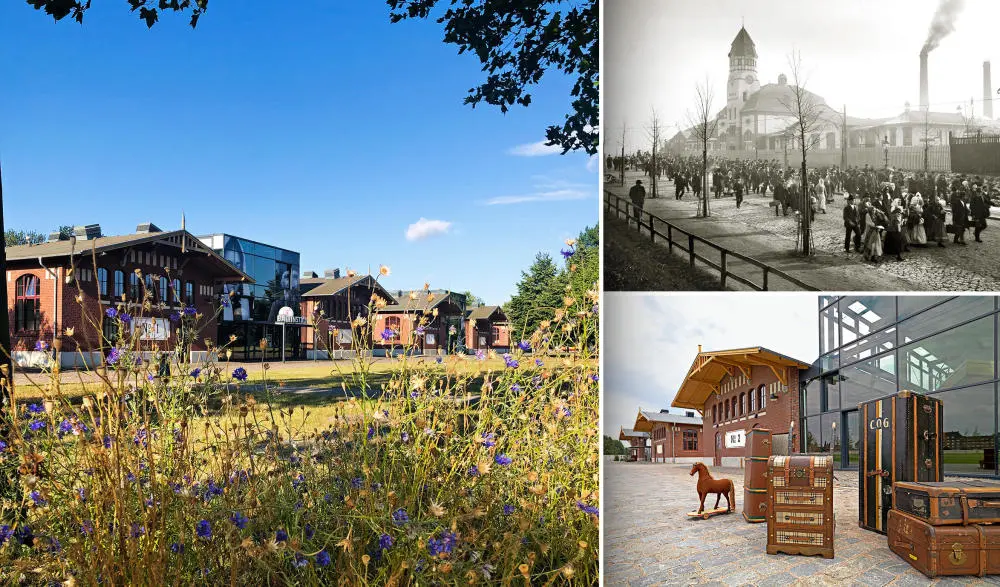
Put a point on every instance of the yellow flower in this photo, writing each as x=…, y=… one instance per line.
x=484, y=467
x=351, y=272
x=413, y=295
x=523, y=568
x=568, y=571
x=229, y=353
x=70, y=331
x=568, y=301
x=79, y=298
x=436, y=510
x=359, y=321
x=384, y=271
x=435, y=312
x=232, y=338
x=532, y=476
x=365, y=559
x=427, y=286
x=570, y=242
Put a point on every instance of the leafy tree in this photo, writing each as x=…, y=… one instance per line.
x=516, y=43
x=613, y=447
x=472, y=300
x=22, y=237
x=536, y=299
x=65, y=231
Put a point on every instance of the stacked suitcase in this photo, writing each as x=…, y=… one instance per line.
x=903, y=440
x=758, y=449
x=800, y=505
x=943, y=528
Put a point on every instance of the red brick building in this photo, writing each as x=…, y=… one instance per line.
x=445, y=312
x=638, y=444
x=175, y=266
x=673, y=438
x=329, y=303
x=737, y=390
x=487, y=328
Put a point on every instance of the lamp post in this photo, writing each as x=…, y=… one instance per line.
x=791, y=436
x=885, y=150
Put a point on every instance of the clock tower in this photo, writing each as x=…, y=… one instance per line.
x=742, y=84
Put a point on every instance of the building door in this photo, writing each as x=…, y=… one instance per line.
x=717, y=460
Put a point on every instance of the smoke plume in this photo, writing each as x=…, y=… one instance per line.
x=943, y=24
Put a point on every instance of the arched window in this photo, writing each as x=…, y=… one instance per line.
x=175, y=293
x=753, y=401
x=134, y=287
x=27, y=303
x=119, y=284
x=164, y=293
x=102, y=282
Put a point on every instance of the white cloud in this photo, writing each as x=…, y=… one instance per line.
x=538, y=149
x=592, y=162
x=541, y=196
x=424, y=228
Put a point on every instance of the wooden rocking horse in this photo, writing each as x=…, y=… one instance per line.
x=707, y=485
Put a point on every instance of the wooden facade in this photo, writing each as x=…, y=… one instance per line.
x=487, y=328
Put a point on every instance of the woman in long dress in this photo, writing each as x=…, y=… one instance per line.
x=915, y=222
x=873, y=234
x=894, y=242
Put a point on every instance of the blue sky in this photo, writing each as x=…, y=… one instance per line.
x=315, y=126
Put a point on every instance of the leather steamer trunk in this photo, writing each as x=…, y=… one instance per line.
x=902, y=441
x=944, y=550
x=758, y=449
x=800, y=505
x=950, y=502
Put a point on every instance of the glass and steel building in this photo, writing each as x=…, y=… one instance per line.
x=872, y=346
x=252, y=312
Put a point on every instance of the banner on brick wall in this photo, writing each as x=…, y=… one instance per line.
x=151, y=328
x=736, y=439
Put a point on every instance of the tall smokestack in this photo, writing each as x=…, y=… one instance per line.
x=987, y=91
x=923, y=81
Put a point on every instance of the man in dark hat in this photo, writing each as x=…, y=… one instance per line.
x=638, y=196
x=980, y=208
x=851, y=225
x=959, y=215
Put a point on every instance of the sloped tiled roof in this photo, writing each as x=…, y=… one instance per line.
x=321, y=287
x=485, y=312
x=418, y=301
x=742, y=45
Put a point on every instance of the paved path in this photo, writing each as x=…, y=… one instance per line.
x=754, y=230
x=648, y=539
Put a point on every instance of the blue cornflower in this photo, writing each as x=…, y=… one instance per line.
x=107, y=441
x=35, y=408
x=371, y=432
x=240, y=374
x=322, y=558
x=190, y=311
x=3, y=446
x=239, y=520
x=111, y=313
x=114, y=355
x=175, y=317
x=309, y=532
x=594, y=378
x=387, y=334
x=204, y=529
x=356, y=483
x=439, y=360
x=510, y=361
x=590, y=509
x=86, y=528
x=567, y=253
x=65, y=427
x=195, y=372
x=36, y=425
x=37, y=498
x=474, y=471
x=502, y=459
x=82, y=493
x=442, y=545
x=405, y=437
x=5, y=534
x=515, y=388
x=136, y=530
x=488, y=439
x=420, y=330
x=400, y=516
x=481, y=355
x=41, y=345
x=524, y=346
x=177, y=548
x=538, y=362
x=300, y=561
x=508, y=509
x=384, y=542
x=281, y=535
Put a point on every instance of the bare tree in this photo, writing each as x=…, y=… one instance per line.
x=703, y=127
x=655, y=131
x=806, y=111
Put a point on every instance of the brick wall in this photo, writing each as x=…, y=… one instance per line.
x=668, y=442
x=776, y=415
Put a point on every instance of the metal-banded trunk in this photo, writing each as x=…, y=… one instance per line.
x=944, y=550
x=758, y=451
x=800, y=505
x=950, y=502
x=902, y=440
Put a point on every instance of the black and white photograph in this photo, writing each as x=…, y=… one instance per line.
x=788, y=145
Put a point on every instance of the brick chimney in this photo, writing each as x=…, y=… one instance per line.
x=924, y=100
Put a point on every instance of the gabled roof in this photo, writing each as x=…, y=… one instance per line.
x=329, y=287
x=742, y=45
x=420, y=301
x=82, y=248
x=709, y=368
x=627, y=433
x=486, y=312
x=645, y=421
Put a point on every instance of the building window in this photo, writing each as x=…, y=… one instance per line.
x=393, y=324
x=134, y=287
x=496, y=334
x=27, y=303
x=715, y=412
x=753, y=401
x=119, y=284
x=175, y=291
x=164, y=293
x=743, y=404
x=727, y=409
x=189, y=293
x=102, y=282
x=763, y=397
x=150, y=287
x=691, y=440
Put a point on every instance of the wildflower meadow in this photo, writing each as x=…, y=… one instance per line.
x=457, y=469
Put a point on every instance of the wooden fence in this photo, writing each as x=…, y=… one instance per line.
x=690, y=244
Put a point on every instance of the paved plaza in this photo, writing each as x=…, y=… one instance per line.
x=754, y=230
x=648, y=539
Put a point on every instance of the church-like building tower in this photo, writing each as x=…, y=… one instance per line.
x=743, y=83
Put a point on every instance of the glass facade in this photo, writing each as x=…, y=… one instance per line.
x=872, y=346
x=251, y=314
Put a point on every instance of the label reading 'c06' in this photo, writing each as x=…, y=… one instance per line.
x=878, y=423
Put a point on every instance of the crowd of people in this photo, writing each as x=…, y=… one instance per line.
x=887, y=211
